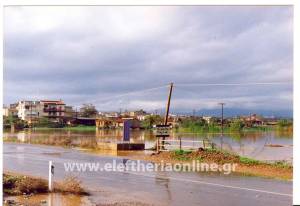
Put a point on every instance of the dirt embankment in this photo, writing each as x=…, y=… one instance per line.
x=244, y=166
x=16, y=184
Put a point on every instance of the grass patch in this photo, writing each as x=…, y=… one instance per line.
x=81, y=128
x=244, y=166
x=221, y=157
x=182, y=155
x=217, y=129
x=182, y=152
x=199, y=159
x=249, y=161
x=76, y=128
x=211, y=150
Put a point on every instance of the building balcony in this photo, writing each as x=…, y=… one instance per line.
x=53, y=110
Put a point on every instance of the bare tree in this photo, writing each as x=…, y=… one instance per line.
x=88, y=110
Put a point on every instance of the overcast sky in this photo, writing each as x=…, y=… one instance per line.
x=97, y=54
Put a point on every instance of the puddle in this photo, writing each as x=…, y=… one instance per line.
x=52, y=199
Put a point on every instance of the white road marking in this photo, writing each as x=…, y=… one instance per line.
x=215, y=184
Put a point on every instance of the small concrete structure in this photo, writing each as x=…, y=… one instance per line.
x=127, y=124
x=130, y=146
x=118, y=146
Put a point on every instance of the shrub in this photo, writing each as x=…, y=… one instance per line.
x=284, y=123
x=30, y=185
x=16, y=185
x=45, y=122
x=236, y=125
x=9, y=181
x=151, y=120
x=70, y=185
x=18, y=123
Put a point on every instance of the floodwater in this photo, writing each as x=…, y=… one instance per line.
x=51, y=199
x=268, y=146
x=149, y=187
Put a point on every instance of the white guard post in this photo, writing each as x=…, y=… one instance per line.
x=51, y=173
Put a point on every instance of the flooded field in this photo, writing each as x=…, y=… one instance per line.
x=270, y=145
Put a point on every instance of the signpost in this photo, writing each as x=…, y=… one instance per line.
x=161, y=131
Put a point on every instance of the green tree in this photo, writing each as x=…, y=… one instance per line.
x=151, y=120
x=285, y=123
x=11, y=120
x=236, y=125
x=43, y=122
x=46, y=122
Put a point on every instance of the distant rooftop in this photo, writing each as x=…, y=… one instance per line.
x=53, y=101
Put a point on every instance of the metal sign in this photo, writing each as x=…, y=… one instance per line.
x=126, y=130
x=162, y=130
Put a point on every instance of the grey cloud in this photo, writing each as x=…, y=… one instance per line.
x=96, y=52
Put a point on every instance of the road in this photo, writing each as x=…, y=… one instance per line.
x=157, y=188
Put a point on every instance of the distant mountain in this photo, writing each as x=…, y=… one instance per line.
x=231, y=112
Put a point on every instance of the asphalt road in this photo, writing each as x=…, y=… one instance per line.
x=157, y=188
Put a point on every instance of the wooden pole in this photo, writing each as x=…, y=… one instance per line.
x=179, y=143
x=222, y=118
x=168, y=104
x=30, y=113
x=167, y=111
x=222, y=125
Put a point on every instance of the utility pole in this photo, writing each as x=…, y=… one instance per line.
x=30, y=113
x=167, y=111
x=222, y=124
x=250, y=121
x=168, y=104
x=222, y=118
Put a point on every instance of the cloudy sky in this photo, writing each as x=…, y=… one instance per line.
x=124, y=57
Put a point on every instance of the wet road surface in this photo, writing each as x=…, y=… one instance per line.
x=158, y=188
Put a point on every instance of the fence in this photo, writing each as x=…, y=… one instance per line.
x=172, y=144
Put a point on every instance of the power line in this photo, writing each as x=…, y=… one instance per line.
x=181, y=86
x=232, y=84
x=128, y=94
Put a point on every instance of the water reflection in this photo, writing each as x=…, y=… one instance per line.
x=251, y=144
x=161, y=178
